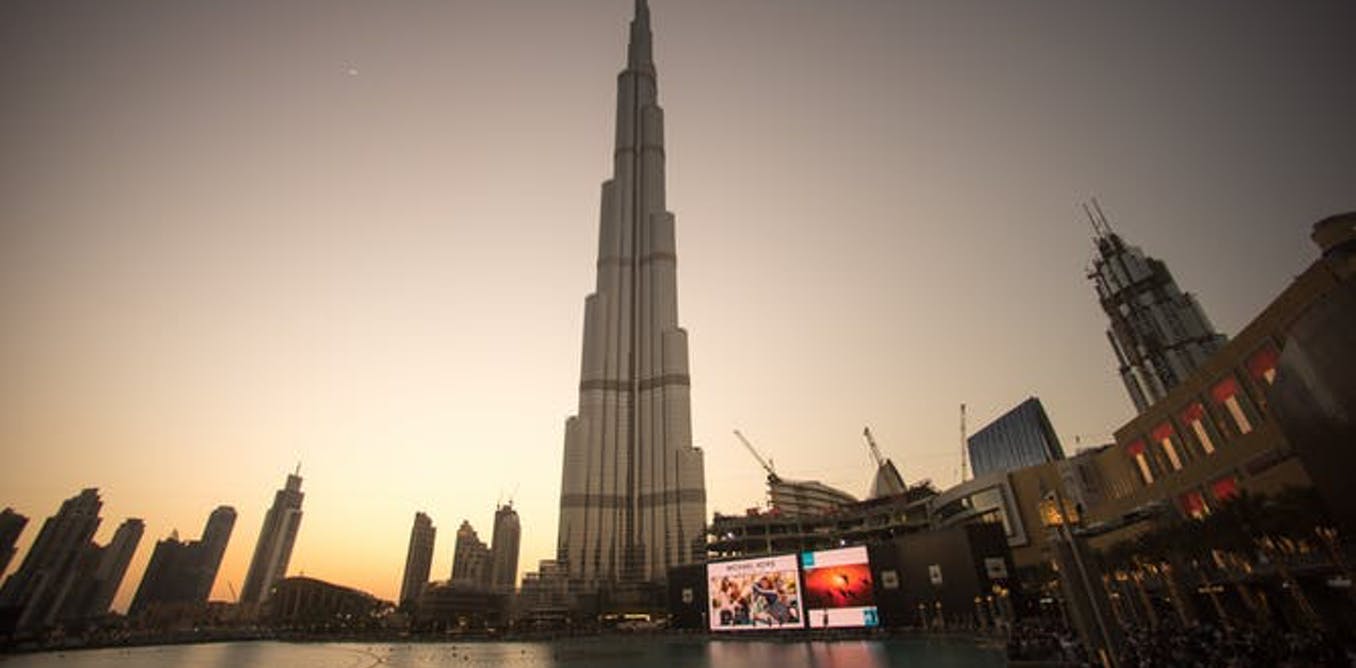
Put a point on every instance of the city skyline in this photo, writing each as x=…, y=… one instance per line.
x=316, y=248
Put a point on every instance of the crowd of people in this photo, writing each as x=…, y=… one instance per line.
x=1203, y=646
x=1208, y=646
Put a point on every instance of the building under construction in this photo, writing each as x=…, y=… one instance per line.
x=809, y=515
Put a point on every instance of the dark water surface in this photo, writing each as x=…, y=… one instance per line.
x=637, y=652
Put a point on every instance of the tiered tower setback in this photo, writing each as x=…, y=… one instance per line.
x=633, y=494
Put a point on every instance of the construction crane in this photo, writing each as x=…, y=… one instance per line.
x=767, y=465
x=875, y=451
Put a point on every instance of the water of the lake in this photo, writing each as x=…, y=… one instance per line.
x=638, y=652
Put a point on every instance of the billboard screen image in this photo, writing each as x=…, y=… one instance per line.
x=751, y=594
x=838, y=588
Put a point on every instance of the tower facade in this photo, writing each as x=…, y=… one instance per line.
x=633, y=494
x=274, y=549
x=504, y=549
x=11, y=525
x=49, y=570
x=1160, y=335
x=1019, y=438
x=210, y=549
x=100, y=573
x=182, y=573
x=470, y=559
x=418, y=559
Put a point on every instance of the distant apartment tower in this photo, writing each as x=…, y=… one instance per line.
x=418, y=559
x=210, y=549
x=504, y=549
x=276, y=539
x=100, y=572
x=1160, y=335
x=182, y=573
x=470, y=561
x=11, y=525
x=48, y=571
x=1019, y=438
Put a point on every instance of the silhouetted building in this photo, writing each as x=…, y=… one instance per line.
x=471, y=559
x=504, y=549
x=99, y=572
x=11, y=525
x=276, y=539
x=180, y=574
x=1314, y=394
x=1160, y=334
x=418, y=560
x=210, y=549
x=1021, y=437
x=48, y=572
x=310, y=603
x=633, y=491
x=448, y=605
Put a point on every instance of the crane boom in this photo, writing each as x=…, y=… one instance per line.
x=875, y=451
x=771, y=474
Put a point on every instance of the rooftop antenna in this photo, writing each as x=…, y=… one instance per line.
x=1101, y=217
x=1096, y=231
x=298, y=472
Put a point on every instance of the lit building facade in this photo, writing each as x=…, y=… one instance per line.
x=1160, y=335
x=633, y=494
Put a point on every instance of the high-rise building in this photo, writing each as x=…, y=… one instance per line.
x=504, y=549
x=418, y=559
x=49, y=569
x=167, y=580
x=210, y=549
x=182, y=573
x=11, y=525
x=1019, y=438
x=1160, y=334
x=100, y=572
x=471, y=559
x=633, y=492
x=276, y=538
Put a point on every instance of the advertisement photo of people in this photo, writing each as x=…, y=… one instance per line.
x=755, y=594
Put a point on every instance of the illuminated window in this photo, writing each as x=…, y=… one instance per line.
x=1136, y=452
x=1226, y=394
x=1193, y=504
x=1194, y=418
x=1262, y=364
x=1225, y=488
x=1165, y=437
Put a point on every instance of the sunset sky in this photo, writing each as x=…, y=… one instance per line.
x=236, y=236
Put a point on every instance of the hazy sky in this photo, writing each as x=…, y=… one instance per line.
x=239, y=235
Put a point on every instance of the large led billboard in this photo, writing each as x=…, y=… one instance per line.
x=838, y=589
x=752, y=594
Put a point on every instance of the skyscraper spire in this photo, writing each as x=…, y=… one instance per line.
x=639, y=53
x=633, y=492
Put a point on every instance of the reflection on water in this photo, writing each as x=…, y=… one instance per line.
x=638, y=652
